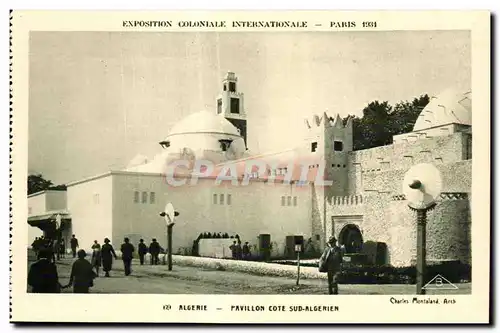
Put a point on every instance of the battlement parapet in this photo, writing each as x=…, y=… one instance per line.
x=347, y=200
x=325, y=121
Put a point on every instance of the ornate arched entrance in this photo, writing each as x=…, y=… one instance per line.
x=350, y=236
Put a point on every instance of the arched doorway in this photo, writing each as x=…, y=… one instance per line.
x=350, y=236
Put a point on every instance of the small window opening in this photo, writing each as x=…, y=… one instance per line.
x=225, y=144
x=338, y=145
x=219, y=105
x=314, y=146
x=235, y=105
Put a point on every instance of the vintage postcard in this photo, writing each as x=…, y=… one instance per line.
x=250, y=167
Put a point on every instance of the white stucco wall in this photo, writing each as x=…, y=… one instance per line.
x=136, y=219
x=40, y=203
x=55, y=200
x=36, y=204
x=90, y=205
x=254, y=209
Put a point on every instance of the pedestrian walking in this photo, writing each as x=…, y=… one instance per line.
x=74, y=245
x=238, y=251
x=107, y=254
x=330, y=262
x=96, y=245
x=51, y=247
x=246, y=251
x=82, y=276
x=232, y=247
x=42, y=276
x=142, y=250
x=62, y=249
x=127, y=250
x=154, y=250
x=56, y=249
x=96, y=260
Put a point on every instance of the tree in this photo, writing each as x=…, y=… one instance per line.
x=405, y=114
x=380, y=122
x=36, y=183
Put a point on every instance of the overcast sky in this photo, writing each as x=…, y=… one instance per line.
x=98, y=99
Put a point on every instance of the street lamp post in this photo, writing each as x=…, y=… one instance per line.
x=298, y=249
x=169, y=214
x=421, y=187
x=169, y=245
x=421, y=245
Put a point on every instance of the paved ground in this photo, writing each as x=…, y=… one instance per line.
x=190, y=280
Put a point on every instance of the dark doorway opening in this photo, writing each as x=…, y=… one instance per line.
x=350, y=236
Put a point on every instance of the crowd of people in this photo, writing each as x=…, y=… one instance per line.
x=57, y=247
x=43, y=276
x=239, y=252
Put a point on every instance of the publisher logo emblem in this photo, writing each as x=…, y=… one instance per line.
x=439, y=282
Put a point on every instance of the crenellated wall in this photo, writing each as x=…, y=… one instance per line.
x=346, y=205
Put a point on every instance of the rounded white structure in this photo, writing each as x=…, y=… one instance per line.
x=448, y=107
x=201, y=135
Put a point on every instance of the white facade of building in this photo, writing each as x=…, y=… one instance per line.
x=43, y=203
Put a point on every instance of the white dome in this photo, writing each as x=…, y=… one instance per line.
x=446, y=108
x=204, y=122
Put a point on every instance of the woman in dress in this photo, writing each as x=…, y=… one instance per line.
x=96, y=257
x=107, y=254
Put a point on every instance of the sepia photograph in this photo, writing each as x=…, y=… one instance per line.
x=114, y=115
x=272, y=162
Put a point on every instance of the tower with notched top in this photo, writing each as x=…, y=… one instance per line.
x=230, y=104
x=330, y=141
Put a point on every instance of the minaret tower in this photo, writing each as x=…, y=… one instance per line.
x=230, y=104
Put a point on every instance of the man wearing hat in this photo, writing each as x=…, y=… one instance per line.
x=127, y=250
x=330, y=262
x=154, y=250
